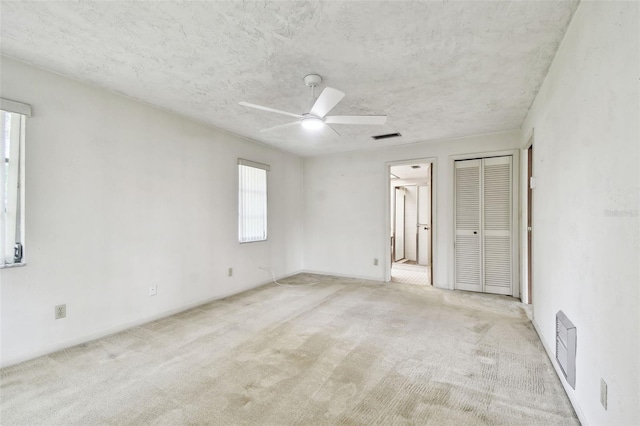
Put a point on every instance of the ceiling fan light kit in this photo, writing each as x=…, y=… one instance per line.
x=312, y=123
x=317, y=117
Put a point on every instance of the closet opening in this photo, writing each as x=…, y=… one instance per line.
x=485, y=216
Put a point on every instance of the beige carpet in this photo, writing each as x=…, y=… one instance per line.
x=343, y=351
x=410, y=274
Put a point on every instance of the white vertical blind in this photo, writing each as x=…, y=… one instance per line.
x=11, y=193
x=252, y=201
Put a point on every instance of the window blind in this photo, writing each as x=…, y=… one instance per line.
x=12, y=125
x=252, y=201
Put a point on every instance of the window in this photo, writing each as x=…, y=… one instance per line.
x=252, y=201
x=12, y=125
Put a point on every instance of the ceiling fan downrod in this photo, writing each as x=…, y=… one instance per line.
x=313, y=81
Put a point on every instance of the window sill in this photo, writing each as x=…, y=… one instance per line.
x=12, y=265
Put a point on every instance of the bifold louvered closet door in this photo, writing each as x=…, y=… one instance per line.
x=483, y=223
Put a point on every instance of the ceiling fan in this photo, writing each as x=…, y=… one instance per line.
x=317, y=117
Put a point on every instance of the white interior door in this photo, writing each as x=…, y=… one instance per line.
x=399, y=224
x=424, y=225
x=468, y=271
x=410, y=223
x=496, y=236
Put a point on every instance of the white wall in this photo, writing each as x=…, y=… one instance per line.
x=121, y=195
x=586, y=164
x=345, y=205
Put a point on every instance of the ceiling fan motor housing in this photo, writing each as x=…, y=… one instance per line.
x=312, y=80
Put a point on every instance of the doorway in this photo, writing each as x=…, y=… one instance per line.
x=411, y=223
x=529, y=223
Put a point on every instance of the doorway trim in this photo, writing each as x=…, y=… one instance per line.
x=524, y=235
x=515, y=205
x=387, y=203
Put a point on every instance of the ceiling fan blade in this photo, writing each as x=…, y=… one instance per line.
x=263, y=108
x=282, y=126
x=328, y=99
x=356, y=119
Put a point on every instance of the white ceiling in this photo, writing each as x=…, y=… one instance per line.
x=408, y=172
x=438, y=69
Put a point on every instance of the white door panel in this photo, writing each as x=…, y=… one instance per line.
x=424, y=225
x=497, y=225
x=399, y=224
x=468, y=273
x=410, y=222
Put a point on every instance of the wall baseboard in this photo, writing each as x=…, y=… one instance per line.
x=7, y=362
x=358, y=277
x=361, y=277
x=556, y=367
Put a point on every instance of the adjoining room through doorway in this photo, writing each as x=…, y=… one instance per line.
x=411, y=223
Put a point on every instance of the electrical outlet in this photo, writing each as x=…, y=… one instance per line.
x=153, y=290
x=603, y=393
x=230, y=272
x=60, y=311
x=375, y=262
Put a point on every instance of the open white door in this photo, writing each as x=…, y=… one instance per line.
x=424, y=225
x=399, y=224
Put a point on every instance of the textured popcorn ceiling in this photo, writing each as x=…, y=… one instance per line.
x=437, y=69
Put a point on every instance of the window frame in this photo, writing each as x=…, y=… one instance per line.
x=23, y=111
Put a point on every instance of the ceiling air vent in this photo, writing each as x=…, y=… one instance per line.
x=387, y=136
